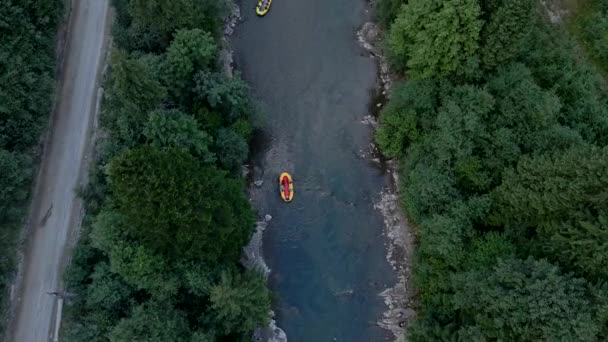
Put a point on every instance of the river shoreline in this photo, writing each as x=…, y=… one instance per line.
x=400, y=238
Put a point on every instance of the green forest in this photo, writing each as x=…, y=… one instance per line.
x=167, y=216
x=501, y=130
x=27, y=72
x=590, y=25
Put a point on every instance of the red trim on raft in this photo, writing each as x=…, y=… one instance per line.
x=285, y=183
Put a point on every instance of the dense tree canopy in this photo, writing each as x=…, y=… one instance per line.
x=501, y=133
x=14, y=182
x=507, y=25
x=134, y=90
x=149, y=26
x=191, y=51
x=167, y=16
x=563, y=198
x=236, y=301
x=193, y=219
x=26, y=69
x=435, y=37
x=178, y=130
x=152, y=322
x=524, y=301
x=231, y=149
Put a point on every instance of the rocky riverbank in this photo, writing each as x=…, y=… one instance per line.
x=400, y=238
x=370, y=37
x=230, y=22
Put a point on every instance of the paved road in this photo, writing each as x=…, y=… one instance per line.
x=55, y=208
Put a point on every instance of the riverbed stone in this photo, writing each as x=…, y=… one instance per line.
x=370, y=32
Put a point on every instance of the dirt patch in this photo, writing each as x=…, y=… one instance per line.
x=562, y=11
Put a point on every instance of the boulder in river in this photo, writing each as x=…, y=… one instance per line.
x=370, y=32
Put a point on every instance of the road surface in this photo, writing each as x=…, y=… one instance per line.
x=56, y=208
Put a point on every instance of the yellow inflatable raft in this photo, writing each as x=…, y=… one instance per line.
x=286, y=186
x=263, y=6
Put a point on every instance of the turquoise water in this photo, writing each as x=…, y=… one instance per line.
x=325, y=249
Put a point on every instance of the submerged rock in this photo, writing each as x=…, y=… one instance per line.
x=370, y=33
x=370, y=120
x=344, y=293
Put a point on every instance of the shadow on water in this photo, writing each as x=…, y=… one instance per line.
x=260, y=143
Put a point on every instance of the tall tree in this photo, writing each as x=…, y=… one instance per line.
x=167, y=16
x=176, y=205
x=240, y=303
x=524, y=301
x=172, y=128
x=108, y=291
x=133, y=92
x=16, y=171
x=152, y=322
x=508, y=24
x=563, y=198
x=409, y=114
x=434, y=38
x=190, y=52
x=226, y=95
x=431, y=189
x=26, y=69
x=231, y=148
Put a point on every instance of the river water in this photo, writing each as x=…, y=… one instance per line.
x=326, y=249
